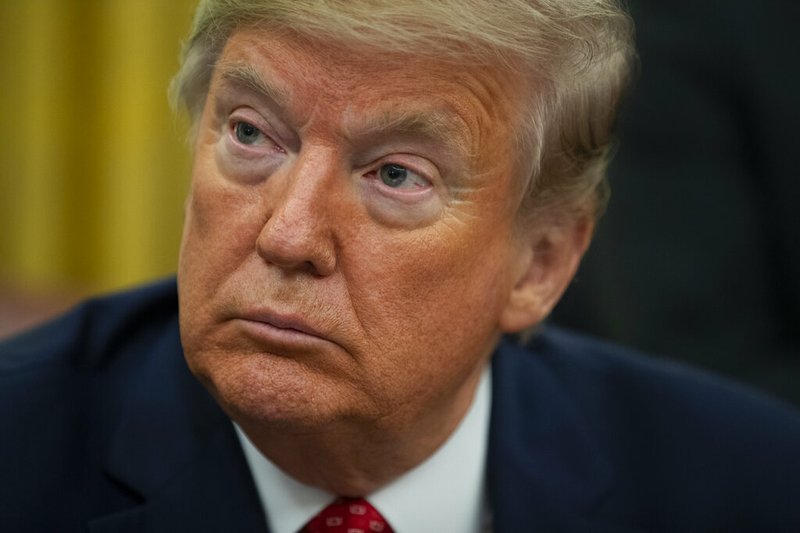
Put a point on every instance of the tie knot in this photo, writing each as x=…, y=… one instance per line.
x=348, y=515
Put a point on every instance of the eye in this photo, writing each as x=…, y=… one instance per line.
x=399, y=177
x=246, y=133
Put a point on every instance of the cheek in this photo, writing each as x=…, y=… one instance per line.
x=220, y=229
x=411, y=291
x=222, y=222
x=429, y=311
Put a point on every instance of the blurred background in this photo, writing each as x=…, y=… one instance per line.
x=698, y=257
x=93, y=164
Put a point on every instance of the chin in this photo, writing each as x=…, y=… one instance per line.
x=272, y=393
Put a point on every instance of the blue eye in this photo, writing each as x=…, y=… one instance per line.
x=393, y=175
x=246, y=133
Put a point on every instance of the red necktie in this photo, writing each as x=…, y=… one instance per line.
x=348, y=515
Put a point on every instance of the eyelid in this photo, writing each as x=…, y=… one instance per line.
x=254, y=118
x=413, y=180
x=403, y=207
x=426, y=170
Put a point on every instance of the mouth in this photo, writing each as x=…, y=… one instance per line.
x=281, y=331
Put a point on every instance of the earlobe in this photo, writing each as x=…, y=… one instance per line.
x=547, y=266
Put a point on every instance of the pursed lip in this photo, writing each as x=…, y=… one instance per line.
x=287, y=323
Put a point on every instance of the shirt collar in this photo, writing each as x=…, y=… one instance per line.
x=446, y=492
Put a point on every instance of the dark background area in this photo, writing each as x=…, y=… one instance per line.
x=698, y=256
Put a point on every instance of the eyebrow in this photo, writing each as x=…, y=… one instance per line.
x=435, y=125
x=244, y=74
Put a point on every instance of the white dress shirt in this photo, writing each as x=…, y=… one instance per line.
x=444, y=493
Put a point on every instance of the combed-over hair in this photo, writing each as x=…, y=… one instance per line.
x=576, y=56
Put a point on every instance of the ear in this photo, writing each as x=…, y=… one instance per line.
x=549, y=259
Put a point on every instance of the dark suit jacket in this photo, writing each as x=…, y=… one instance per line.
x=103, y=426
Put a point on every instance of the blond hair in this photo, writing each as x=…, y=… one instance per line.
x=576, y=55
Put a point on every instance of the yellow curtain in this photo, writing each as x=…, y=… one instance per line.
x=93, y=165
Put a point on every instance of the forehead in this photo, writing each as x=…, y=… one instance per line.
x=368, y=90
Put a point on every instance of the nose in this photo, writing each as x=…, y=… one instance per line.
x=297, y=235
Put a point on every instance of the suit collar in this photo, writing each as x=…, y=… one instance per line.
x=547, y=470
x=176, y=452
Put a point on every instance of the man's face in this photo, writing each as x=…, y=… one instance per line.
x=349, y=243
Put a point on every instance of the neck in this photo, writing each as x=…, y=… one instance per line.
x=350, y=459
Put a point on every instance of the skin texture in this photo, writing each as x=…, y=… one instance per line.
x=340, y=315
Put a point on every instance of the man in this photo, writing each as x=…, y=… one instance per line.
x=381, y=191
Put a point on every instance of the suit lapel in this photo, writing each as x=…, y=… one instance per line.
x=546, y=469
x=177, y=453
